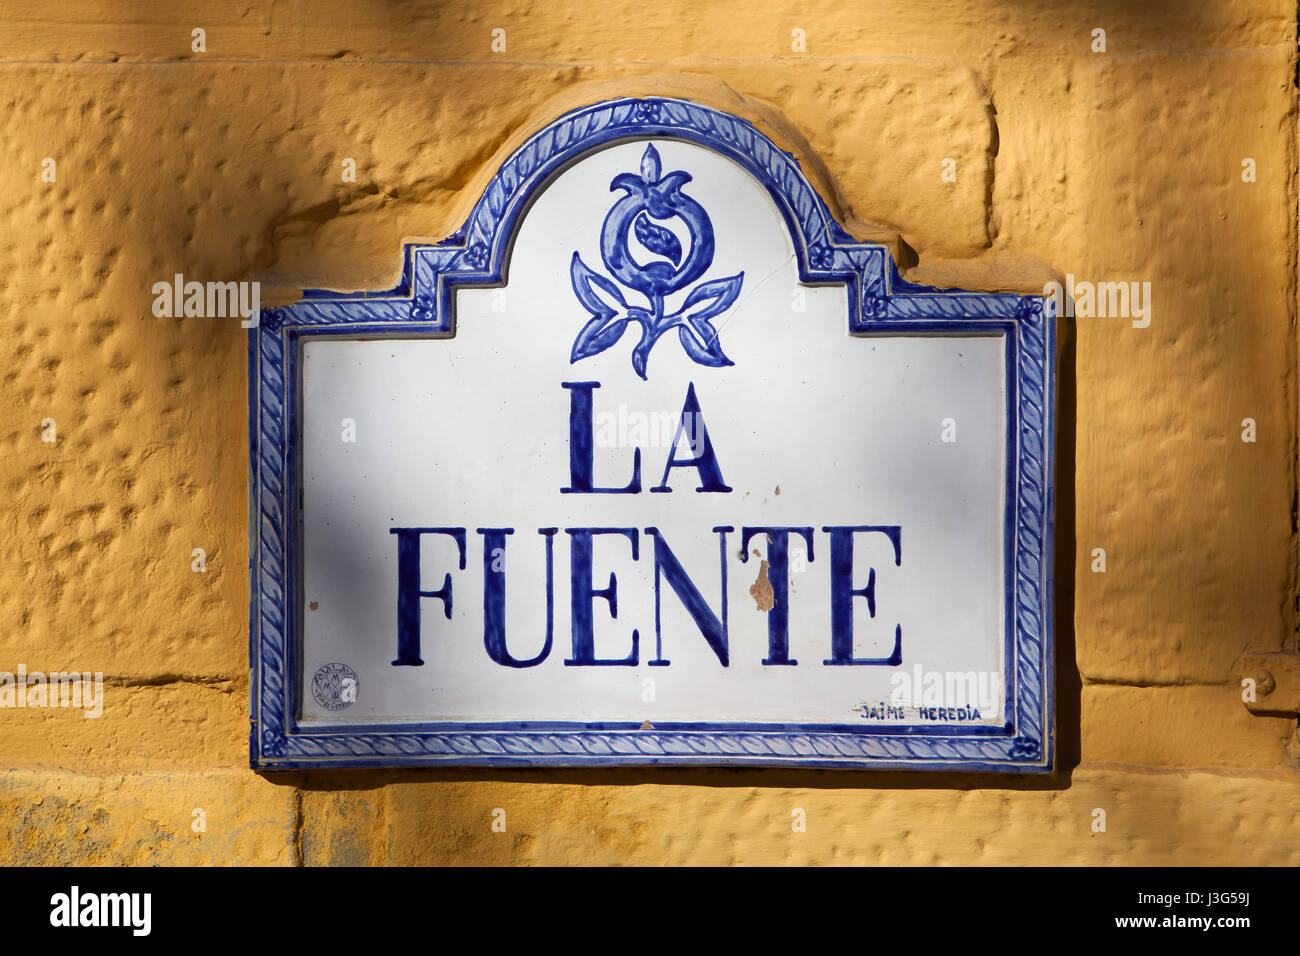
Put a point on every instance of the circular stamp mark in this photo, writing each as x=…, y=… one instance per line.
x=334, y=686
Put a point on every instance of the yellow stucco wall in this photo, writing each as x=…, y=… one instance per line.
x=224, y=164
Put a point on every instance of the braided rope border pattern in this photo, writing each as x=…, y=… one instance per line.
x=474, y=255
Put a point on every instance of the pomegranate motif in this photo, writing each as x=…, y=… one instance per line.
x=652, y=199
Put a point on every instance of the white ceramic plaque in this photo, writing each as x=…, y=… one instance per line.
x=652, y=463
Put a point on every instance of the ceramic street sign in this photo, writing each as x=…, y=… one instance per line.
x=651, y=462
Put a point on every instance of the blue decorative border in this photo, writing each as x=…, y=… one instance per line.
x=879, y=302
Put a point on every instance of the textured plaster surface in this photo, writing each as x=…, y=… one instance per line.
x=1122, y=166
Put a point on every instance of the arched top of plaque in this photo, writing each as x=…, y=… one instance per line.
x=478, y=252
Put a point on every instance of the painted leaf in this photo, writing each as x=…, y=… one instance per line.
x=657, y=239
x=596, y=336
x=714, y=297
x=700, y=340
x=587, y=286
